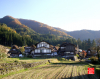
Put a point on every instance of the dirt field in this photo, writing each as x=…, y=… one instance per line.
x=56, y=71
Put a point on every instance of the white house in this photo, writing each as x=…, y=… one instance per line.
x=43, y=48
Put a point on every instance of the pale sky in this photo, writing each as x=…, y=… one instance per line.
x=66, y=14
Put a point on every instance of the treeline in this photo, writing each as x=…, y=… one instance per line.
x=9, y=36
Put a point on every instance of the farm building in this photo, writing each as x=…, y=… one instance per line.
x=28, y=50
x=42, y=48
x=54, y=50
x=91, y=52
x=67, y=50
x=14, y=51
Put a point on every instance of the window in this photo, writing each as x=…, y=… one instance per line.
x=44, y=50
x=88, y=52
x=35, y=51
x=47, y=50
x=62, y=47
x=38, y=46
x=71, y=52
x=48, y=46
x=14, y=49
x=67, y=52
x=38, y=51
x=50, y=51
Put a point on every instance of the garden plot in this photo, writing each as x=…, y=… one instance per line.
x=56, y=71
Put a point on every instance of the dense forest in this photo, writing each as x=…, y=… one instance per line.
x=9, y=36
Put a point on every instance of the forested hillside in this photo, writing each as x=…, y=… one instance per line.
x=82, y=34
x=9, y=36
x=16, y=24
x=85, y=34
x=43, y=28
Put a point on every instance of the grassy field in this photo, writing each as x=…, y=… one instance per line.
x=55, y=70
x=27, y=60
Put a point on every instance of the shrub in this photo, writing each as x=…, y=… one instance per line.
x=2, y=55
x=89, y=58
x=16, y=61
x=70, y=60
x=77, y=55
x=22, y=49
x=66, y=59
x=63, y=59
x=94, y=59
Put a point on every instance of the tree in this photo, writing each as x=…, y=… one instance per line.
x=79, y=42
x=88, y=43
x=98, y=45
x=84, y=53
x=93, y=45
x=22, y=49
x=83, y=45
x=58, y=45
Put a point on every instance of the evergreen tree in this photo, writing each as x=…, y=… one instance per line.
x=88, y=43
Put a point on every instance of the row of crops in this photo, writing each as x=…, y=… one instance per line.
x=56, y=71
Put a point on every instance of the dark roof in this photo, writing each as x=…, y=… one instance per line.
x=42, y=41
x=15, y=46
x=56, y=47
x=65, y=44
x=16, y=51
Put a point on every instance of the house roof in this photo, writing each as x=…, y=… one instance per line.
x=16, y=51
x=15, y=46
x=56, y=47
x=40, y=42
x=65, y=44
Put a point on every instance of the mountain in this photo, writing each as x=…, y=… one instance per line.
x=32, y=27
x=27, y=32
x=82, y=34
x=17, y=25
x=85, y=34
x=44, y=28
x=57, y=28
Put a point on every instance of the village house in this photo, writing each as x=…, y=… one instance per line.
x=28, y=50
x=14, y=51
x=42, y=48
x=91, y=53
x=54, y=50
x=67, y=50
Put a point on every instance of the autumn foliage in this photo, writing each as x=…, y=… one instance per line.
x=84, y=53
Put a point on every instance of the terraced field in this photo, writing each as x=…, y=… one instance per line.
x=56, y=71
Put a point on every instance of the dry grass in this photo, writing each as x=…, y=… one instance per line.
x=57, y=71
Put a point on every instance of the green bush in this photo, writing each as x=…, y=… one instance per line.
x=66, y=59
x=61, y=59
x=70, y=60
x=2, y=55
x=22, y=49
x=94, y=59
x=77, y=55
